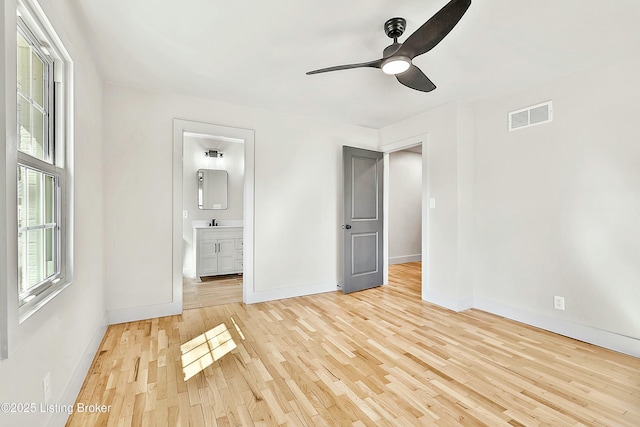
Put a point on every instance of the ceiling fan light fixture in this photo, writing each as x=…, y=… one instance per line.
x=396, y=58
x=396, y=65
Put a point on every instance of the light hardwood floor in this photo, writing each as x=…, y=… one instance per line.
x=374, y=358
x=215, y=290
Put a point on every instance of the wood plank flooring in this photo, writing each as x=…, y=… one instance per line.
x=380, y=357
x=215, y=290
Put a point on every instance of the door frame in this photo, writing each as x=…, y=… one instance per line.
x=247, y=137
x=426, y=195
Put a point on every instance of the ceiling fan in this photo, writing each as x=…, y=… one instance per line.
x=396, y=58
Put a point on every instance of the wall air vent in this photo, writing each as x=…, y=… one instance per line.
x=531, y=116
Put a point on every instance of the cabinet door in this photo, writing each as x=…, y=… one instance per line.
x=226, y=263
x=207, y=257
x=207, y=247
x=226, y=255
x=226, y=246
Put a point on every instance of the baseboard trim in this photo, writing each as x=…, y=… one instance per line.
x=71, y=392
x=290, y=292
x=405, y=258
x=132, y=314
x=447, y=301
x=606, y=339
x=591, y=335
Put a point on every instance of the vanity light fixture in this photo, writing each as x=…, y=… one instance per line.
x=213, y=153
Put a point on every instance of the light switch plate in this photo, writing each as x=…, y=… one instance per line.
x=432, y=203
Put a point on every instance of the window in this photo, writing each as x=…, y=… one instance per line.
x=43, y=199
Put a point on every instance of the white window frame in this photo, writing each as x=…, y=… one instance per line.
x=33, y=23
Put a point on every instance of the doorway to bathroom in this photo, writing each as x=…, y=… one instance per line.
x=213, y=214
x=212, y=204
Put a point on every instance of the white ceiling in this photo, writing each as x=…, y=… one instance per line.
x=256, y=52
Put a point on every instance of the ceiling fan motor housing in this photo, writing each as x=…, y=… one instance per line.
x=395, y=27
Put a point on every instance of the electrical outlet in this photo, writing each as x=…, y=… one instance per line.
x=185, y=214
x=46, y=388
x=558, y=303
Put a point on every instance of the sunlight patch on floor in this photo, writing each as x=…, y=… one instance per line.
x=205, y=349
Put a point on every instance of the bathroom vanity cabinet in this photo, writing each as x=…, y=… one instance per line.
x=218, y=250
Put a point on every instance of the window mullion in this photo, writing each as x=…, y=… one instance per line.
x=47, y=107
x=31, y=118
x=25, y=255
x=43, y=234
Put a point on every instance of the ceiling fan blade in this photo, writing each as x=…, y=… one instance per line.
x=434, y=30
x=415, y=79
x=372, y=64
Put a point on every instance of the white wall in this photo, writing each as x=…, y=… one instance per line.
x=405, y=206
x=297, y=194
x=61, y=338
x=193, y=160
x=557, y=205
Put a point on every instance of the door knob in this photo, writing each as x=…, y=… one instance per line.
x=348, y=227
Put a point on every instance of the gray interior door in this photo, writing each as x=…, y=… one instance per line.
x=362, y=219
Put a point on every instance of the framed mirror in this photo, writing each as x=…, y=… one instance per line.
x=212, y=189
